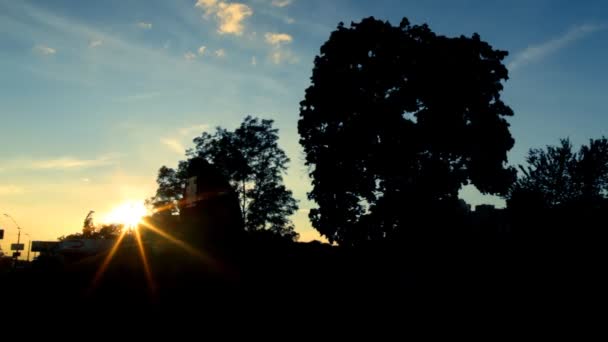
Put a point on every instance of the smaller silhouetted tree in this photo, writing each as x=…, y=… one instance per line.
x=253, y=163
x=170, y=189
x=109, y=231
x=88, y=227
x=557, y=176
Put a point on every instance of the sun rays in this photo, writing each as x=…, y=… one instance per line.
x=145, y=263
x=108, y=258
x=136, y=232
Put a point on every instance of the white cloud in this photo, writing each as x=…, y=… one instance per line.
x=194, y=129
x=290, y=20
x=254, y=62
x=279, y=56
x=281, y=3
x=95, y=43
x=230, y=15
x=220, y=53
x=189, y=55
x=174, y=145
x=201, y=50
x=120, y=55
x=537, y=52
x=44, y=50
x=277, y=38
x=144, y=25
x=10, y=190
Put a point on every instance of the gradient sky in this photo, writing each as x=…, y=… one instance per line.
x=96, y=95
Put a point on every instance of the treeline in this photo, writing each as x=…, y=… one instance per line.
x=396, y=120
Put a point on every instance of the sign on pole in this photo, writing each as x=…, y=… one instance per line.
x=17, y=246
x=1, y=234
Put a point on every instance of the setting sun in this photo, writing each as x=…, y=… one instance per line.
x=128, y=213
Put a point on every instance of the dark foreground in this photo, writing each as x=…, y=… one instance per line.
x=270, y=280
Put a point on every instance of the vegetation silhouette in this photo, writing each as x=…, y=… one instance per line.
x=562, y=193
x=559, y=177
x=252, y=162
x=396, y=120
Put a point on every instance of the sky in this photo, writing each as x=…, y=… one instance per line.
x=96, y=96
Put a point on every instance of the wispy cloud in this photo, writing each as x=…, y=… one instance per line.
x=119, y=56
x=537, y=52
x=201, y=50
x=44, y=50
x=290, y=20
x=61, y=163
x=95, y=43
x=281, y=3
x=277, y=38
x=70, y=163
x=219, y=53
x=174, y=145
x=230, y=15
x=10, y=190
x=189, y=55
x=138, y=97
x=279, y=54
x=144, y=25
x=254, y=62
x=194, y=129
x=176, y=142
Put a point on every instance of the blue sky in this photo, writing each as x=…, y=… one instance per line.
x=96, y=96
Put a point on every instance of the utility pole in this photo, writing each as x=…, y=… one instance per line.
x=29, y=246
x=18, y=228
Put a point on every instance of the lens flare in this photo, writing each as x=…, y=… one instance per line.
x=129, y=214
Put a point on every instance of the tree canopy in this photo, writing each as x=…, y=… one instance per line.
x=254, y=164
x=558, y=176
x=398, y=118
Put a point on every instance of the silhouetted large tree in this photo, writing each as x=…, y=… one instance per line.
x=558, y=176
x=253, y=162
x=397, y=119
